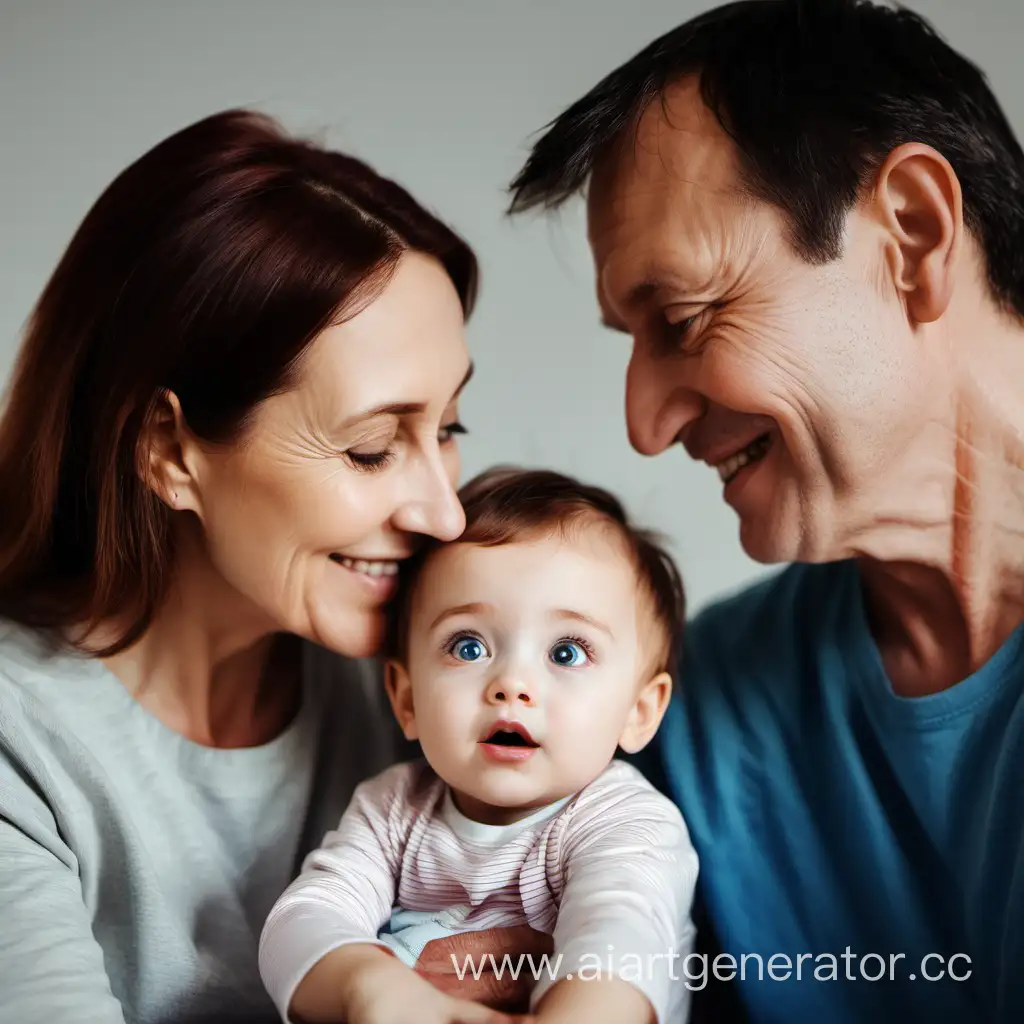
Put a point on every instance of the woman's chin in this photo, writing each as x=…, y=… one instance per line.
x=351, y=633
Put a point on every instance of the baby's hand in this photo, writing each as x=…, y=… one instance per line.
x=364, y=984
x=399, y=996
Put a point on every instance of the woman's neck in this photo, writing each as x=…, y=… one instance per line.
x=210, y=665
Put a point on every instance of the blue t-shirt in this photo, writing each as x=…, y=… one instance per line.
x=867, y=833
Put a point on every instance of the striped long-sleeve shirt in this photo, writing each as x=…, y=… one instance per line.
x=609, y=873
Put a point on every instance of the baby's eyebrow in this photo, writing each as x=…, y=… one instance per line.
x=473, y=608
x=574, y=616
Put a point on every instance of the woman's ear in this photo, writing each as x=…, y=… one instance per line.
x=170, y=456
x=646, y=714
x=919, y=203
x=399, y=691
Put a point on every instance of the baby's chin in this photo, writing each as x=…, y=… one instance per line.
x=509, y=799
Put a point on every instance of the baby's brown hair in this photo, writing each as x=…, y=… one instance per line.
x=507, y=504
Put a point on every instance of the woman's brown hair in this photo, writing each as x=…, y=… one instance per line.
x=205, y=270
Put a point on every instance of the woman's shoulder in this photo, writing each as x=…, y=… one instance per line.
x=46, y=693
x=41, y=680
x=27, y=653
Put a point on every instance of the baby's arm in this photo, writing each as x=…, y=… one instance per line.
x=624, y=923
x=320, y=958
x=324, y=925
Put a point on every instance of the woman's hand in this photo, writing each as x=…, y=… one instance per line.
x=508, y=989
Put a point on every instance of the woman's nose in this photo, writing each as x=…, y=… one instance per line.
x=432, y=507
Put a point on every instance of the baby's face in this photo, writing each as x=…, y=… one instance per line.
x=524, y=668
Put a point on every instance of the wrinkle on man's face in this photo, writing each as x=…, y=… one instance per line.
x=735, y=336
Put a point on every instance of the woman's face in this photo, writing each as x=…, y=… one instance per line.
x=306, y=517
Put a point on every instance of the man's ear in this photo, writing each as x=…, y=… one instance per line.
x=170, y=456
x=918, y=200
x=646, y=714
x=399, y=691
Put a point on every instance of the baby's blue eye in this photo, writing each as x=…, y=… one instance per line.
x=468, y=649
x=568, y=654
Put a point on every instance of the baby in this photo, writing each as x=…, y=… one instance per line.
x=523, y=656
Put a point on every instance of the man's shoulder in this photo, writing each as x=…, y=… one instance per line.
x=766, y=623
x=753, y=665
x=750, y=663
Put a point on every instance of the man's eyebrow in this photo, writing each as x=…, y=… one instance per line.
x=639, y=295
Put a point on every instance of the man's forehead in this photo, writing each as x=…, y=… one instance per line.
x=669, y=210
x=678, y=158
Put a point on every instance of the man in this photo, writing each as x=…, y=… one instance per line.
x=809, y=218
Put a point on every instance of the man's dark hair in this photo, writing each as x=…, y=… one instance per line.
x=815, y=94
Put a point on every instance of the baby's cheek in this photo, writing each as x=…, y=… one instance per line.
x=586, y=733
x=455, y=717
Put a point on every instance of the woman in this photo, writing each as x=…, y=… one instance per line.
x=234, y=414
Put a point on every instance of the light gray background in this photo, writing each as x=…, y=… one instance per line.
x=442, y=95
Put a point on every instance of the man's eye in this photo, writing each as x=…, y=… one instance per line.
x=680, y=329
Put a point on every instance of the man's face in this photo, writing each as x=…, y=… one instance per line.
x=801, y=385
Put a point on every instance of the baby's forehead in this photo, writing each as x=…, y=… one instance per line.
x=586, y=566
x=586, y=540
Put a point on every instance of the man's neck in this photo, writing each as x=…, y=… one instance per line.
x=945, y=588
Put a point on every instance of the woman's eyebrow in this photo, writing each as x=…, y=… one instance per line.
x=400, y=408
x=388, y=409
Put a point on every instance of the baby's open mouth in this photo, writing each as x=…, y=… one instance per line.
x=510, y=734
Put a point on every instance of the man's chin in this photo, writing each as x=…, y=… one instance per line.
x=767, y=546
x=774, y=543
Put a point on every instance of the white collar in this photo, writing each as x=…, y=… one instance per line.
x=493, y=835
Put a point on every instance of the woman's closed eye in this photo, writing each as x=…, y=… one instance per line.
x=371, y=461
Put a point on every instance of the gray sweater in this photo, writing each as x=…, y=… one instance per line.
x=137, y=867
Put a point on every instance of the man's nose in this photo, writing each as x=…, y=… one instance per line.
x=510, y=687
x=659, y=403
